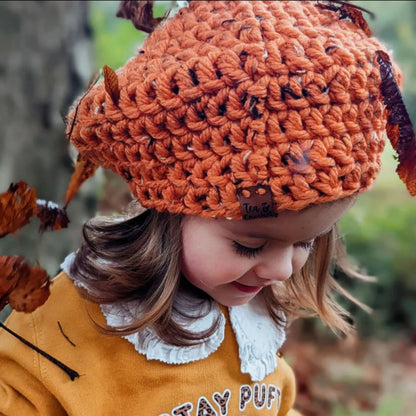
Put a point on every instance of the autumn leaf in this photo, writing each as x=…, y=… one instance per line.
x=51, y=216
x=31, y=291
x=349, y=11
x=17, y=207
x=399, y=126
x=8, y=278
x=23, y=286
x=111, y=84
x=140, y=13
x=355, y=15
x=84, y=169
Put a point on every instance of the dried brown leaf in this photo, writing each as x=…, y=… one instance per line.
x=23, y=286
x=140, y=13
x=32, y=290
x=52, y=217
x=17, y=207
x=349, y=11
x=357, y=17
x=111, y=84
x=399, y=126
x=84, y=169
x=8, y=277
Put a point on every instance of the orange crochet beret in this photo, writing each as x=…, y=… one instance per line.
x=230, y=101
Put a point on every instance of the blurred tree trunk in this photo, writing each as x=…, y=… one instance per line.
x=46, y=60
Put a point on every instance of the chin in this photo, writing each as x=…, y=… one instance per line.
x=235, y=301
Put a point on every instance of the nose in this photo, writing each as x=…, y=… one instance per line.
x=276, y=266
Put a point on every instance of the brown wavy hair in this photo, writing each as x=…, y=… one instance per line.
x=139, y=259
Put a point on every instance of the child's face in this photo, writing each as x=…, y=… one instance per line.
x=233, y=260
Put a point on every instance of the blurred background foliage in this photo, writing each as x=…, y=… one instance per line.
x=380, y=231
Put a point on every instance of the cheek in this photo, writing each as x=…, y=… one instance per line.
x=200, y=270
x=209, y=261
x=199, y=259
x=300, y=259
x=190, y=261
x=208, y=265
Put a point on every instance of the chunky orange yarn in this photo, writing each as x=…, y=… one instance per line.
x=228, y=95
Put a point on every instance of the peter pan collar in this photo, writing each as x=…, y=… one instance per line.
x=258, y=337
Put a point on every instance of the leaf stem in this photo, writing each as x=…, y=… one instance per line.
x=71, y=373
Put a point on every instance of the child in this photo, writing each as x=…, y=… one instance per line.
x=246, y=130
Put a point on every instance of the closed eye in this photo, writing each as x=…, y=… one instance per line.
x=245, y=251
x=306, y=245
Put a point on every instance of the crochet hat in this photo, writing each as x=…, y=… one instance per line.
x=242, y=109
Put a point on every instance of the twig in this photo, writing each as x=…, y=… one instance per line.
x=71, y=373
x=66, y=336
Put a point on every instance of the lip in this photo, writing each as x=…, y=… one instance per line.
x=246, y=289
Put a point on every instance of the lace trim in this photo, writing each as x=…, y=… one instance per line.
x=258, y=338
x=147, y=342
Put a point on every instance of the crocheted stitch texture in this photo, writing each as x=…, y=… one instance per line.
x=229, y=95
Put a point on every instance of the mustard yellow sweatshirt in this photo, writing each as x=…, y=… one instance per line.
x=114, y=379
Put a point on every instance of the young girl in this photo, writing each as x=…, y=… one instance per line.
x=245, y=130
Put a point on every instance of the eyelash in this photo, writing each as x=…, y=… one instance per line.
x=306, y=245
x=244, y=251
x=251, y=252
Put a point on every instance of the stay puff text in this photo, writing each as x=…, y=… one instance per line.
x=260, y=396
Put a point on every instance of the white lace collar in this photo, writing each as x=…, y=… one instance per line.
x=258, y=338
